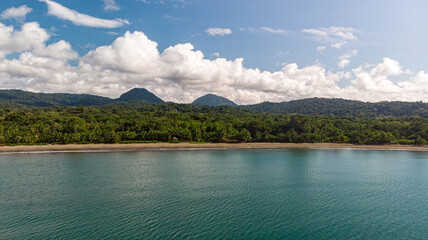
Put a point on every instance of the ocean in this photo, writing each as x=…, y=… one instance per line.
x=215, y=194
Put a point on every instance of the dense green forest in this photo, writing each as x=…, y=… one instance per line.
x=127, y=122
x=343, y=107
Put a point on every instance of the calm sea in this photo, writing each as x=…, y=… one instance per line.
x=248, y=194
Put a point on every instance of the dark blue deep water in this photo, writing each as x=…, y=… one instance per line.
x=248, y=194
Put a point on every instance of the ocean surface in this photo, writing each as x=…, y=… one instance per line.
x=235, y=194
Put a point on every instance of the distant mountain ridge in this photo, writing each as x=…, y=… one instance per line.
x=141, y=96
x=342, y=107
x=214, y=100
x=19, y=97
x=16, y=98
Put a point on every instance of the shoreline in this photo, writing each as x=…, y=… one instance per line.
x=199, y=146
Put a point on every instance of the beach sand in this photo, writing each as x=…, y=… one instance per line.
x=199, y=146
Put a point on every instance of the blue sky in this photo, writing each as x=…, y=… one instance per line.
x=353, y=38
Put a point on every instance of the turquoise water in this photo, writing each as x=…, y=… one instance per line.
x=249, y=194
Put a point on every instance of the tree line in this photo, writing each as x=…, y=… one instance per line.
x=122, y=123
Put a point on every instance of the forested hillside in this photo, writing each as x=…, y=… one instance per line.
x=214, y=100
x=344, y=107
x=18, y=98
x=179, y=122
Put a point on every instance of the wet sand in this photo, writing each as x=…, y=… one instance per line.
x=199, y=146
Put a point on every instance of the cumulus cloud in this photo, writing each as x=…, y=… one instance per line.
x=133, y=53
x=18, y=14
x=180, y=73
x=376, y=79
x=218, y=31
x=59, y=11
x=30, y=36
x=110, y=5
x=59, y=50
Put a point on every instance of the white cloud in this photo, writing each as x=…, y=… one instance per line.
x=282, y=53
x=250, y=30
x=218, y=31
x=376, y=79
x=133, y=53
x=344, y=59
x=332, y=33
x=58, y=50
x=181, y=74
x=175, y=3
x=59, y=11
x=274, y=31
x=338, y=45
x=321, y=49
x=343, y=63
x=18, y=14
x=263, y=30
x=349, y=54
x=30, y=36
x=110, y=5
x=216, y=54
x=336, y=37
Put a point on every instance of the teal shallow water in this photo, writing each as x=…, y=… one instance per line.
x=242, y=194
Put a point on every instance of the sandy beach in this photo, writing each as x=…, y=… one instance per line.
x=199, y=146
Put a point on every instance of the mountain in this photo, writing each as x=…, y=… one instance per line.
x=214, y=100
x=140, y=94
x=335, y=106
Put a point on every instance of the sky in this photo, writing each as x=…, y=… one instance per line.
x=248, y=51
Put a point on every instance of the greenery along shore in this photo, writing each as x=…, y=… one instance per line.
x=182, y=122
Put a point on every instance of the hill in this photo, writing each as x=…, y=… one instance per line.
x=342, y=107
x=140, y=94
x=19, y=98
x=214, y=100
x=11, y=98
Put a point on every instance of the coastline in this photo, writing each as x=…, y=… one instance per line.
x=200, y=146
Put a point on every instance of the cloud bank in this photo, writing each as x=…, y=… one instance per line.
x=180, y=73
x=61, y=12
